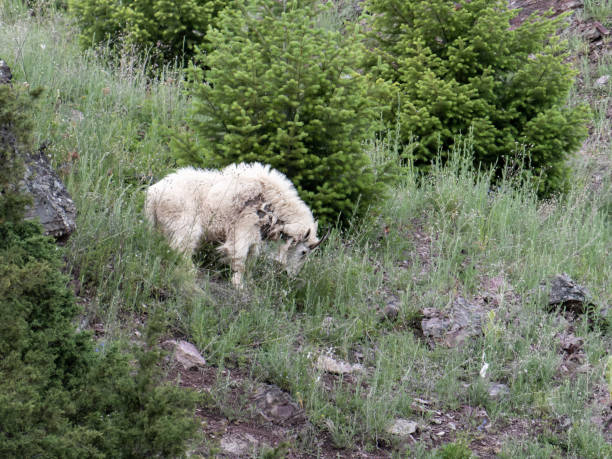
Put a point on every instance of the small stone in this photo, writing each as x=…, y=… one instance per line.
x=441, y=433
x=403, y=427
x=498, y=390
x=391, y=312
x=185, y=353
x=76, y=116
x=331, y=365
x=5, y=73
x=240, y=444
x=452, y=426
x=602, y=81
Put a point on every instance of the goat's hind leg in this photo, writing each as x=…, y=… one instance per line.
x=185, y=235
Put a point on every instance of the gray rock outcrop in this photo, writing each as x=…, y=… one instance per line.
x=51, y=202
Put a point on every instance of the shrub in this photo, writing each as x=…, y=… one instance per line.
x=460, y=68
x=59, y=395
x=283, y=91
x=169, y=30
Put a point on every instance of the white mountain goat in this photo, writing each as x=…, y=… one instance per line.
x=240, y=206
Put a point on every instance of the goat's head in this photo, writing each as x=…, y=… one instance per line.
x=293, y=252
x=297, y=239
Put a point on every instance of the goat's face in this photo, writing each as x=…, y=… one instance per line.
x=292, y=254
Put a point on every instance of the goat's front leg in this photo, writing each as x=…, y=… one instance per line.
x=238, y=244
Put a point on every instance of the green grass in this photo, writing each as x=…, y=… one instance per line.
x=469, y=233
x=600, y=10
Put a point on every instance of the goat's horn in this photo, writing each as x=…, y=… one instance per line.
x=307, y=234
x=321, y=241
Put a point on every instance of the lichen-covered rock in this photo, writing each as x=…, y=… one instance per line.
x=5, y=73
x=566, y=293
x=52, y=204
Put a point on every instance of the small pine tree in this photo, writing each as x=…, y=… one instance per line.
x=459, y=67
x=282, y=90
x=168, y=30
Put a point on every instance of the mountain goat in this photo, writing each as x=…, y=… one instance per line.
x=240, y=206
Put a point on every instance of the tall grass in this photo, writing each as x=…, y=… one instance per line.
x=106, y=123
x=600, y=10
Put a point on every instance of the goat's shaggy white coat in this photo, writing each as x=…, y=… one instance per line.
x=239, y=206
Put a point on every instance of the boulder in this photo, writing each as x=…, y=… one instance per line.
x=52, y=204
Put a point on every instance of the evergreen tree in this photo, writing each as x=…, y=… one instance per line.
x=460, y=68
x=167, y=29
x=281, y=90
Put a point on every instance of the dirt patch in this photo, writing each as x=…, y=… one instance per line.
x=255, y=417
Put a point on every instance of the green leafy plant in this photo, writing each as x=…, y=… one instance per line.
x=460, y=68
x=282, y=90
x=169, y=30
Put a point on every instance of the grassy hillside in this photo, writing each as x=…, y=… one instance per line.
x=435, y=239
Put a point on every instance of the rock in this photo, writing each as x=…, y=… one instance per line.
x=566, y=293
x=239, y=444
x=529, y=7
x=5, y=73
x=327, y=325
x=571, y=344
x=498, y=390
x=452, y=327
x=185, y=353
x=390, y=312
x=330, y=365
x=602, y=81
x=52, y=204
x=273, y=404
x=76, y=116
x=402, y=427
